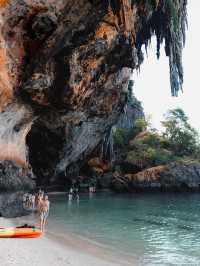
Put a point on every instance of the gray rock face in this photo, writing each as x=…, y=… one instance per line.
x=128, y=116
x=13, y=178
x=11, y=205
x=183, y=176
x=132, y=111
x=65, y=67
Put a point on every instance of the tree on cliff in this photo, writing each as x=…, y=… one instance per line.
x=65, y=67
x=182, y=138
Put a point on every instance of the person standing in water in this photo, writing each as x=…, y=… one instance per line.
x=70, y=195
x=39, y=199
x=33, y=202
x=44, y=212
x=76, y=194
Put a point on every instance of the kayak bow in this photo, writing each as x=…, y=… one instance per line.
x=13, y=232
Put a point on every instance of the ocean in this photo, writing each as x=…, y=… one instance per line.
x=156, y=229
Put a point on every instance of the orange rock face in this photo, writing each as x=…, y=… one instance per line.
x=3, y=3
x=98, y=165
x=66, y=64
x=148, y=175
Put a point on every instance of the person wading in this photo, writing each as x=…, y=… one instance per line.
x=44, y=212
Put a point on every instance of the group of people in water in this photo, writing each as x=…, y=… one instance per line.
x=40, y=203
x=29, y=201
x=74, y=192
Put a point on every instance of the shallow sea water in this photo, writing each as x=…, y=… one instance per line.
x=159, y=229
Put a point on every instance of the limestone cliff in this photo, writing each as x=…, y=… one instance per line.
x=173, y=177
x=64, y=70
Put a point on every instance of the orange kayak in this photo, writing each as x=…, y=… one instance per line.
x=20, y=232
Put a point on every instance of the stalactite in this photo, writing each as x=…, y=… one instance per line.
x=124, y=15
x=168, y=23
x=176, y=40
x=69, y=58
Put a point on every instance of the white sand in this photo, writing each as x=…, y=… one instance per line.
x=50, y=250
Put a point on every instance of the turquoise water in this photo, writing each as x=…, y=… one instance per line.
x=160, y=229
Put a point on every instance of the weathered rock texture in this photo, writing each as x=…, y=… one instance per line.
x=14, y=178
x=132, y=111
x=64, y=70
x=183, y=176
x=11, y=205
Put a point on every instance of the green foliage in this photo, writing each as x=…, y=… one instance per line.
x=144, y=155
x=152, y=140
x=148, y=150
x=122, y=136
x=172, y=11
x=140, y=125
x=119, y=136
x=151, y=3
x=179, y=141
x=162, y=156
x=143, y=148
x=131, y=98
x=182, y=139
x=187, y=160
x=140, y=156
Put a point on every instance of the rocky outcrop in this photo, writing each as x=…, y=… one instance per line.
x=64, y=71
x=96, y=164
x=132, y=111
x=179, y=176
x=13, y=177
x=11, y=205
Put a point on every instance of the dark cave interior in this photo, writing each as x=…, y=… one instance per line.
x=44, y=147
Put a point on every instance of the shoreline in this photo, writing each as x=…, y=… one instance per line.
x=70, y=250
x=91, y=247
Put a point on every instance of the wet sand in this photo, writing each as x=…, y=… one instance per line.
x=54, y=248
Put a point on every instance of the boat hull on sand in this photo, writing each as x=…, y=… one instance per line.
x=20, y=233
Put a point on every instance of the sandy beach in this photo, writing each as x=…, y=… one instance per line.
x=53, y=249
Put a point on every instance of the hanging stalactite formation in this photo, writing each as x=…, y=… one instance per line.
x=167, y=20
x=168, y=23
x=65, y=65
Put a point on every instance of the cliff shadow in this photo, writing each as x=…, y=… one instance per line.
x=44, y=147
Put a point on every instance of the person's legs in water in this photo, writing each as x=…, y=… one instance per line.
x=42, y=221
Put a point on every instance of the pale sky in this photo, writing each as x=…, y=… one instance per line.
x=152, y=86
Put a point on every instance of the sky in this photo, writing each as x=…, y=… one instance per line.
x=152, y=84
